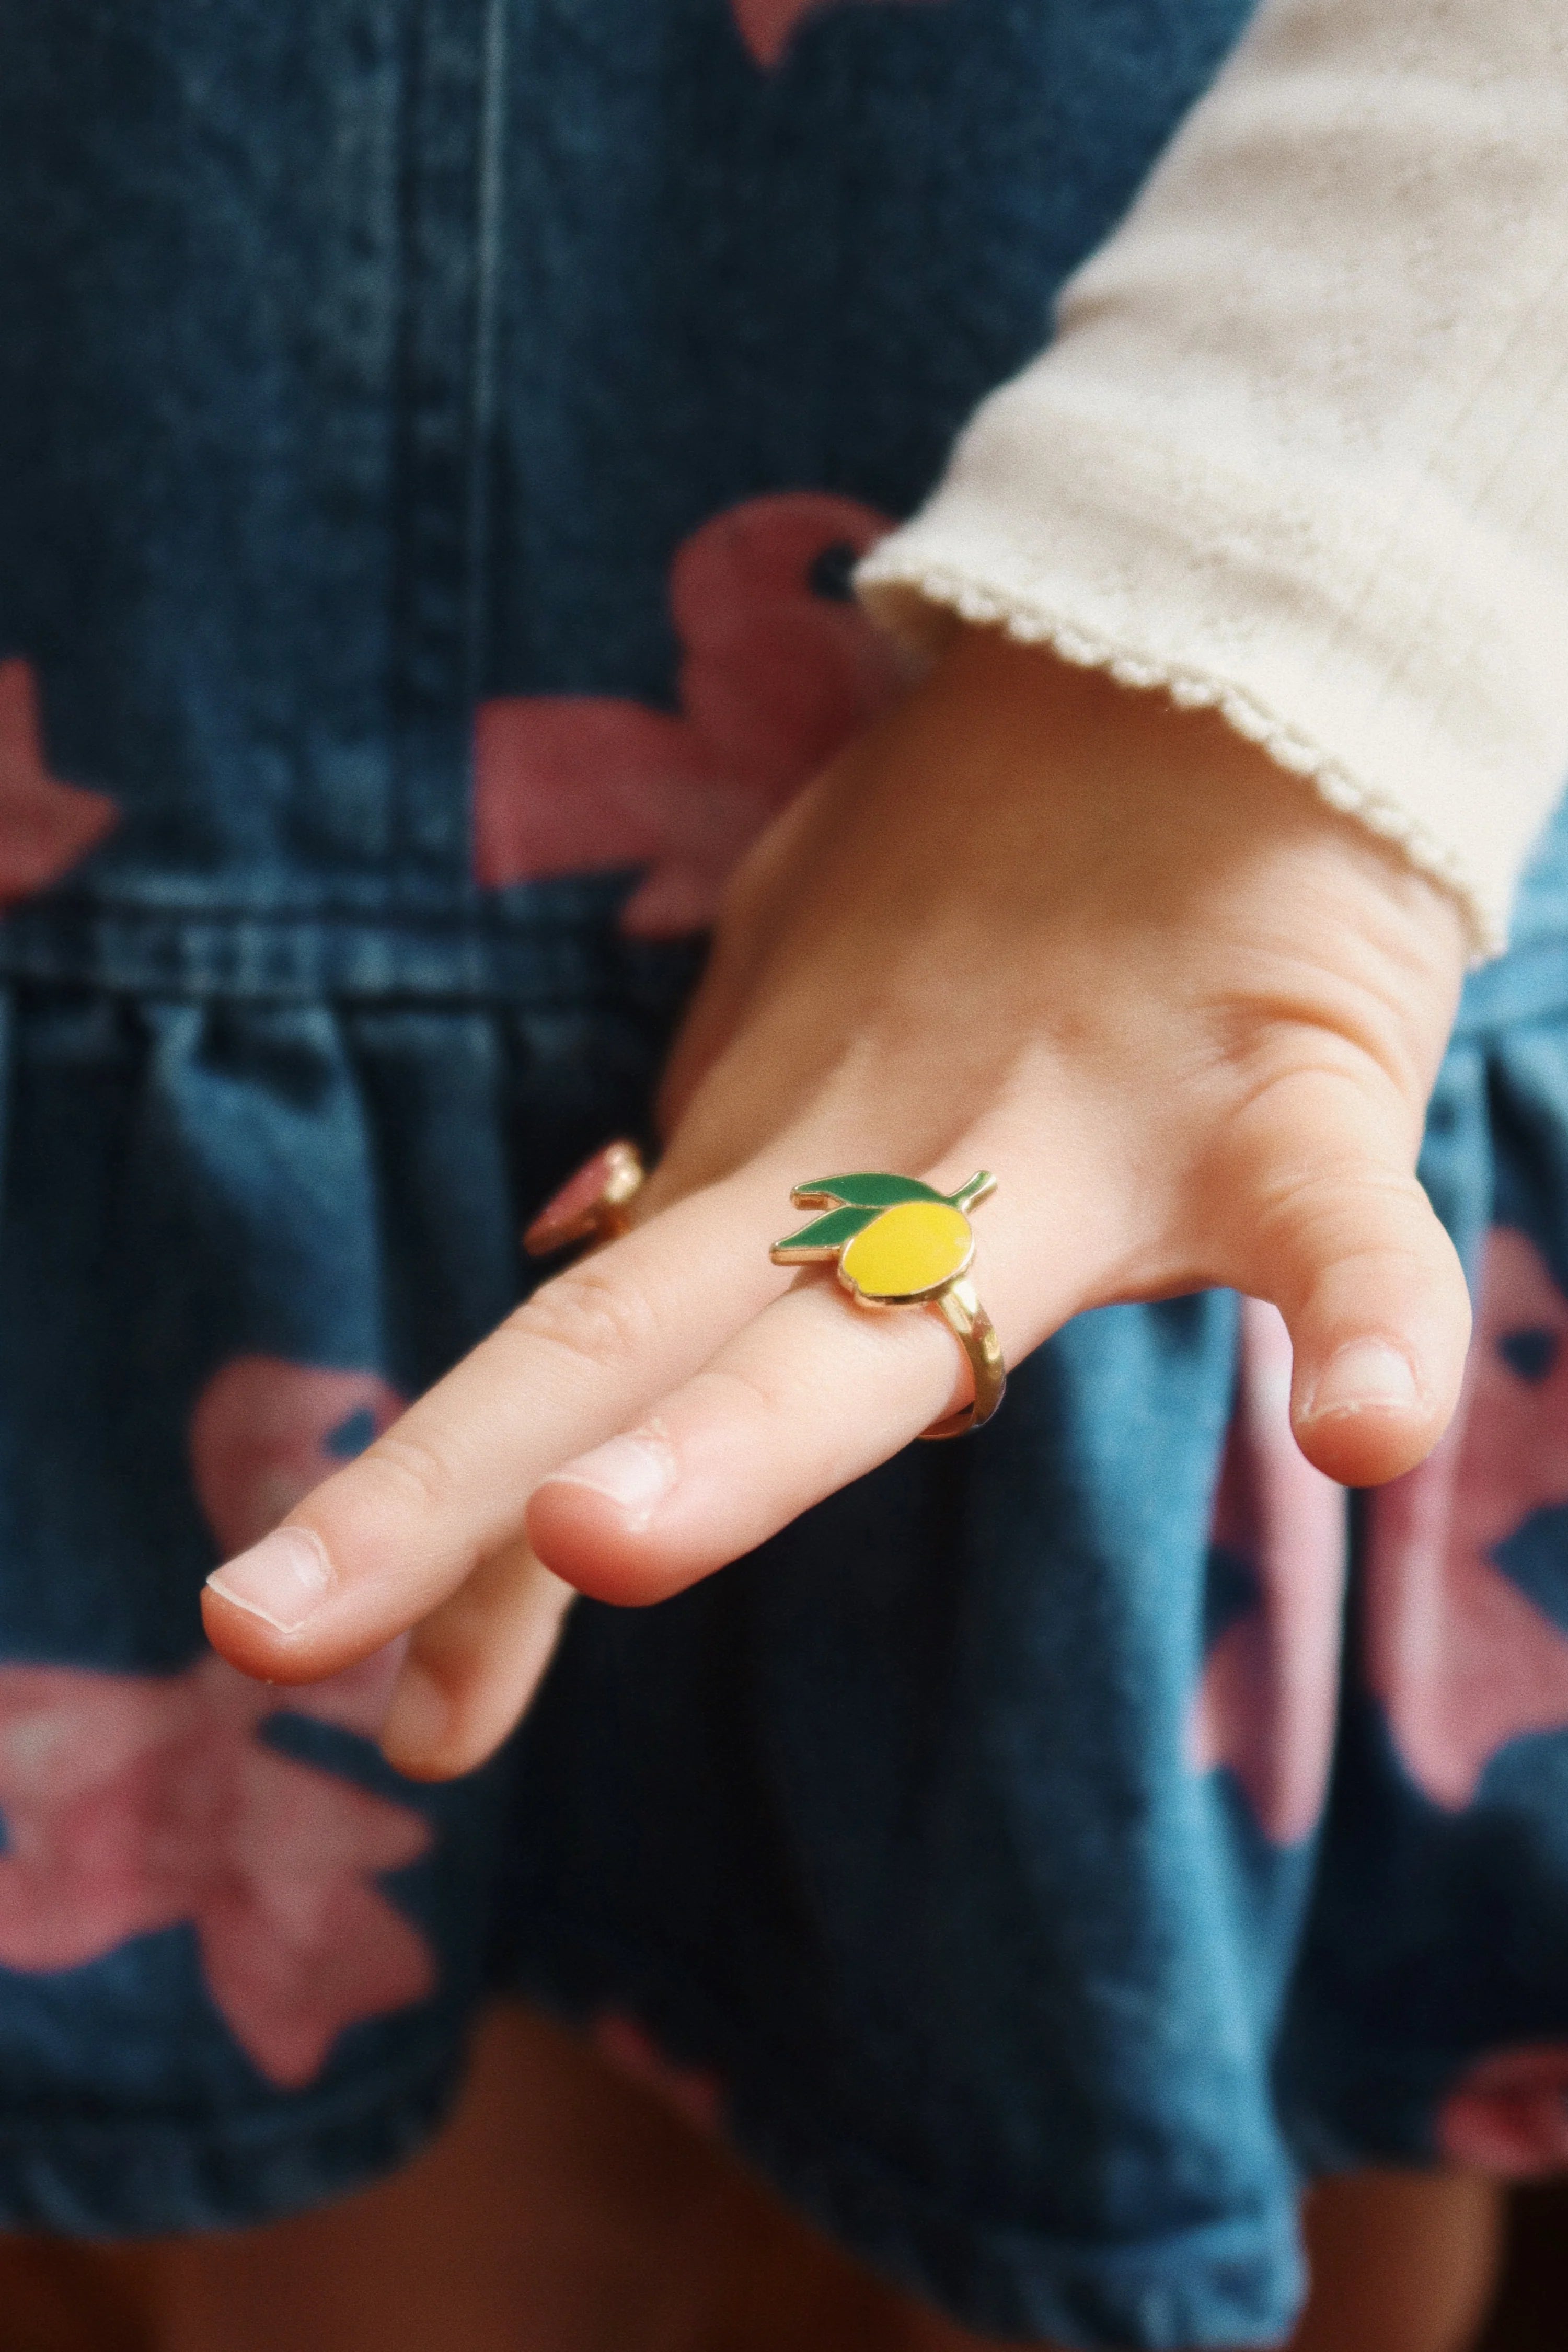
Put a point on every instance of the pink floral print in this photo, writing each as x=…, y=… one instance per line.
x=1267, y=1704
x=264, y=1432
x=1509, y=2114
x=778, y=669
x=45, y=825
x=135, y=1803
x=767, y=26
x=692, y=2093
x=1462, y=1659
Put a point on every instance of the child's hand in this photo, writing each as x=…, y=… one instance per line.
x=1030, y=923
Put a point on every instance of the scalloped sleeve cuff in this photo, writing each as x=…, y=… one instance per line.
x=1299, y=449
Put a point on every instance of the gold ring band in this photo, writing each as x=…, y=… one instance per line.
x=893, y=1239
x=976, y=1334
x=897, y=1242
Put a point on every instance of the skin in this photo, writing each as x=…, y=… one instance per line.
x=1031, y=922
x=565, y=2210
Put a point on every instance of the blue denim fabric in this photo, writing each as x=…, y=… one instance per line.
x=890, y=1830
x=359, y=359
x=357, y=363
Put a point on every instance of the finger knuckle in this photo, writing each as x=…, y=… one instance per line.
x=414, y=1473
x=1353, y=1209
x=741, y=1394
x=605, y=1323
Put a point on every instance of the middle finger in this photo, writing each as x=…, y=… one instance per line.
x=811, y=1392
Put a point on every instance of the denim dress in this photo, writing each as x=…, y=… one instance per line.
x=435, y=439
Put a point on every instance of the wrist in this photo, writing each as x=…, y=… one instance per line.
x=1172, y=812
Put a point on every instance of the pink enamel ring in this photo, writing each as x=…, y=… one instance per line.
x=591, y=1206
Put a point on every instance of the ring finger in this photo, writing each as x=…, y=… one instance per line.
x=811, y=1393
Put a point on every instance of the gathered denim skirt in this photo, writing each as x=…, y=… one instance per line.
x=435, y=438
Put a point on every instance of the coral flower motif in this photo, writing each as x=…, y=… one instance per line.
x=1266, y=1704
x=767, y=26
x=1463, y=1659
x=692, y=2093
x=1509, y=2114
x=137, y=1803
x=134, y=1802
x=45, y=825
x=779, y=667
x=264, y=1432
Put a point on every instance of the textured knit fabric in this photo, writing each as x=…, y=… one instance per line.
x=1301, y=448
x=435, y=441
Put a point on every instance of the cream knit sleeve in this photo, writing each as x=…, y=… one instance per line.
x=1300, y=447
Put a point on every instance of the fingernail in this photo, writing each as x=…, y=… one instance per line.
x=1365, y=1374
x=283, y=1580
x=633, y=1473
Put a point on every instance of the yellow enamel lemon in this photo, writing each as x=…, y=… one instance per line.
x=908, y=1250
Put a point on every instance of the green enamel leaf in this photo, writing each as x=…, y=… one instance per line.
x=829, y=1233
x=979, y=1187
x=866, y=1192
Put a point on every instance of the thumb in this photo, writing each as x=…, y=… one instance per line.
x=1348, y=1248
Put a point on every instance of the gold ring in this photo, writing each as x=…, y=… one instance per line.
x=898, y=1243
x=592, y=1206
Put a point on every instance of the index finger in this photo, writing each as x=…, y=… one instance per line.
x=378, y=1545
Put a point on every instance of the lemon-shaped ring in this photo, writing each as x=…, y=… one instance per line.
x=899, y=1243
